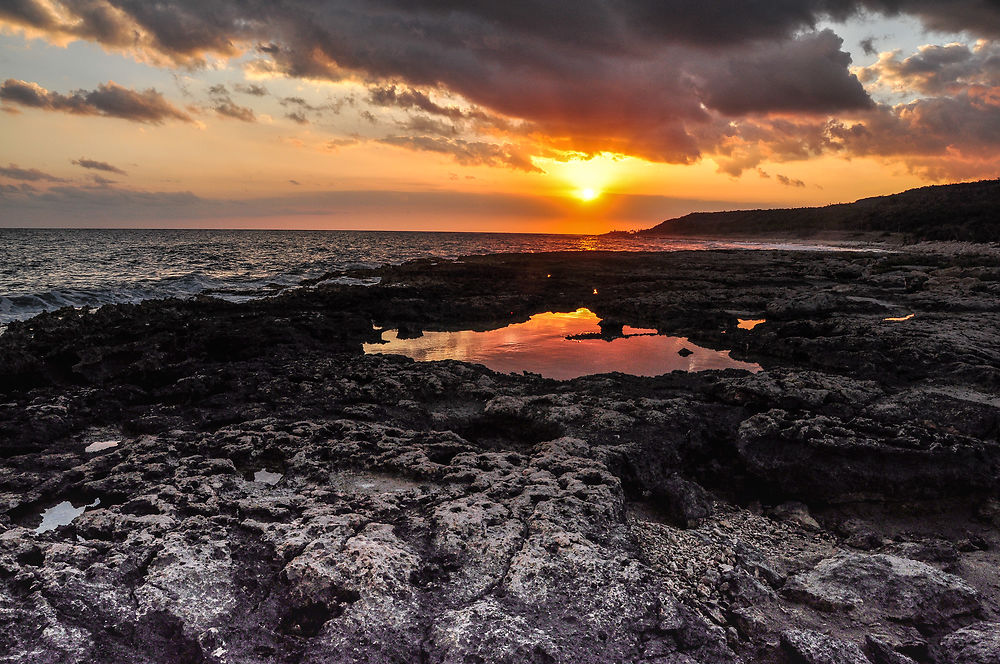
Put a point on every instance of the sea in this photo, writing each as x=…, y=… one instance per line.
x=47, y=269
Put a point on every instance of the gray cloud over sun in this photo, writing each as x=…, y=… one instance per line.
x=666, y=80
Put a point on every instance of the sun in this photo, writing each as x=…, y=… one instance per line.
x=587, y=194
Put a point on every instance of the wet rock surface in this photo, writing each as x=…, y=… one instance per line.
x=839, y=506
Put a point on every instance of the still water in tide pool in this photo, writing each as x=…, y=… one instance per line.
x=540, y=345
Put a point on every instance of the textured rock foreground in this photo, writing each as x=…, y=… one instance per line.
x=839, y=507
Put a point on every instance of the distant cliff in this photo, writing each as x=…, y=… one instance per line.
x=968, y=212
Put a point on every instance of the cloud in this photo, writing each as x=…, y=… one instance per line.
x=665, y=80
x=937, y=69
x=410, y=98
x=789, y=182
x=30, y=174
x=108, y=100
x=587, y=75
x=230, y=110
x=424, y=125
x=23, y=189
x=978, y=17
x=809, y=74
x=251, y=89
x=97, y=165
x=466, y=152
x=112, y=206
x=223, y=104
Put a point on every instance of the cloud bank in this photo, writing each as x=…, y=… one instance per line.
x=665, y=80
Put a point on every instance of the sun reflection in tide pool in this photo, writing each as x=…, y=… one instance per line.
x=749, y=323
x=539, y=345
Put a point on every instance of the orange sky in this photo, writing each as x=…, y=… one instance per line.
x=98, y=132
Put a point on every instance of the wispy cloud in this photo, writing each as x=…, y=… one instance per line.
x=109, y=99
x=13, y=172
x=98, y=165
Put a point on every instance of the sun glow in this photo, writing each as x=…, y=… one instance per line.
x=587, y=194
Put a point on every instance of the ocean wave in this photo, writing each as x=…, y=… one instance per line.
x=44, y=269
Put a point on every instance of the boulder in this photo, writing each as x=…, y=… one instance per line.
x=685, y=502
x=975, y=644
x=877, y=587
x=808, y=647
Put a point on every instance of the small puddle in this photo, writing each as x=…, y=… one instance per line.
x=899, y=318
x=540, y=345
x=749, y=323
x=267, y=477
x=62, y=514
x=99, y=445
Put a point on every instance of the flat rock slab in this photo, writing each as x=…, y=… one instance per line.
x=906, y=591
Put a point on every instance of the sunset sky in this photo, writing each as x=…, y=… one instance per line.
x=553, y=116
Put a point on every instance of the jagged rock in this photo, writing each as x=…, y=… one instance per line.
x=880, y=652
x=936, y=551
x=797, y=513
x=442, y=512
x=872, y=587
x=808, y=647
x=826, y=458
x=864, y=537
x=975, y=644
x=685, y=502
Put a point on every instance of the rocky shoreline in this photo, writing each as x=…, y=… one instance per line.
x=839, y=506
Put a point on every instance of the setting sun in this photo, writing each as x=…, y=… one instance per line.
x=587, y=194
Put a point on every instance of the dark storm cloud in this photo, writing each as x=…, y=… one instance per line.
x=593, y=74
x=109, y=99
x=98, y=165
x=362, y=31
x=29, y=174
x=804, y=75
x=979, y=17
x=649, y=78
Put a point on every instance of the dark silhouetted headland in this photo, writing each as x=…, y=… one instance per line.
x=965, y=212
